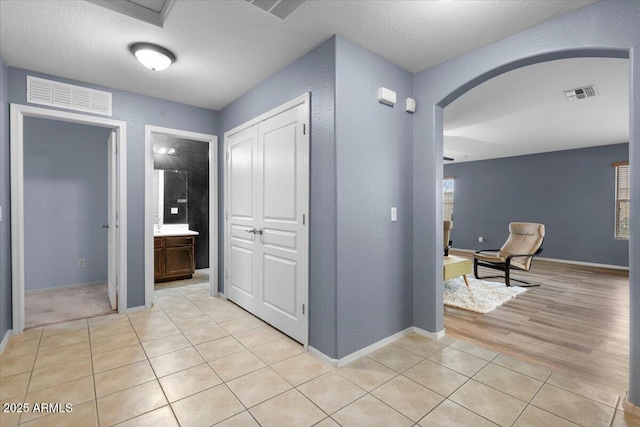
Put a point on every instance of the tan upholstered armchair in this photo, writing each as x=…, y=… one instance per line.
x=524, y=242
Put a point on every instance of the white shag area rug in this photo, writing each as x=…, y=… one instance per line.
x=480, y=296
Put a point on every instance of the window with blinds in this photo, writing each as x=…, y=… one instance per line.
x=447, y=197
x=623, y=193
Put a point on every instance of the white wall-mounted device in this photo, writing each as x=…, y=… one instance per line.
x=410, y=105
x=386, y=96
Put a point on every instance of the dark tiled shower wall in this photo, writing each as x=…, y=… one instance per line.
x=192, y=157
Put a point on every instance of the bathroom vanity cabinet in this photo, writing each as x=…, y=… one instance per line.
x=173, y=257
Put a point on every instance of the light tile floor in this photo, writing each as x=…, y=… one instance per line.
x=194, y=360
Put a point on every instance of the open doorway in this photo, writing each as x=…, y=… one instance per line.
x=68, y=214
x=542, y=156
x=181, y=237
x=66, y=204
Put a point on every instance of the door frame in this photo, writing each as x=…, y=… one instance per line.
x=304, y=99
x=212, y=140
x=17, y=114
x=112, y=218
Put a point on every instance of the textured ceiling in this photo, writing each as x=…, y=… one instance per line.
x=155, y=5
x=525, y=111
x=224, y=48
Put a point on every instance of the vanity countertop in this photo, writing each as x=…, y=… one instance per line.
x=166, y=233
x=167, y=230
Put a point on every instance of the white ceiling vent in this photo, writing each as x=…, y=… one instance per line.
x=580, y=93
x=56, y=94
x=281, y=9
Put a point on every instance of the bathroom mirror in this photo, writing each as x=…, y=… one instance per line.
x=169, y=197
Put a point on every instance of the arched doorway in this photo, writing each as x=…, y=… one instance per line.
x=438, y=86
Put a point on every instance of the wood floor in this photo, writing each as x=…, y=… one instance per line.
x=575, y=323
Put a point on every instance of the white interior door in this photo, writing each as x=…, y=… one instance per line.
x=267, y=237
x=112, y=165
x=242, y=207
x=282, y=277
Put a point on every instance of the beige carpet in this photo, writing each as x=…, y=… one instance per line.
x=55, y=306
x=480, y=296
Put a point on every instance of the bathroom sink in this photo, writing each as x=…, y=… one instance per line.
x=173, y=230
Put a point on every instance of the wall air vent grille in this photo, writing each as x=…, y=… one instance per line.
x=62, y=95
x=281, y=9
x=580, y=93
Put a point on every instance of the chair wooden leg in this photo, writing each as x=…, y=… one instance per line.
x=466, y=282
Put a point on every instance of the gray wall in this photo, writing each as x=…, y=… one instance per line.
x=360, y=262
x=137, y=111
x=373, y=173
x=572, y=192
x=314, y=73
x=5, y=198
x=606, y=28
x=65, y=203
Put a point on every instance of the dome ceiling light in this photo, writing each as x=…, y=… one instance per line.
x=152, y=56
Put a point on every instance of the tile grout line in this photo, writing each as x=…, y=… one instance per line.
x=205, y=362
x=93, y=375
x=223, y=381
x=157, y=379
x=458, y=388
x=615, y=410
x=26, y=392
x=397, y=373
x=542, y=409
x=48, y=366
x=155, y=374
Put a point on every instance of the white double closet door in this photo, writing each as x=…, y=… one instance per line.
x=266, y=239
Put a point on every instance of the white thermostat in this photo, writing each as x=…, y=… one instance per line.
x=410, y=105
x=386, y=96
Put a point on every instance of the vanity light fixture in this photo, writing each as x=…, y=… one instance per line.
x=152, y=56
x=164, y=150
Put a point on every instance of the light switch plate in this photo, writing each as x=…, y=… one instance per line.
x=174, y=211
x=410, y=105
x=394, y=214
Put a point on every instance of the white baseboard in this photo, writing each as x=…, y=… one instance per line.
x=586, y=264
x=5, y=340
x=339, y=363
x=432, y=335
x=373, y=347
x=59, y=288
x=630, y=408
x=334, y=363
x=134, y=309
x=562, y=261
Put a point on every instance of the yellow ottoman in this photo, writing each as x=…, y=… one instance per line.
x=455, y=266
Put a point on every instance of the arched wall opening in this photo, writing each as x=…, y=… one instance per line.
x=606, y=29
x=523, y=152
